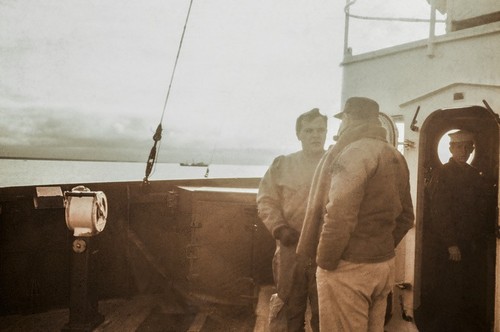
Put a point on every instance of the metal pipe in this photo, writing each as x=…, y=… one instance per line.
x=347, y=50
x=432, y=31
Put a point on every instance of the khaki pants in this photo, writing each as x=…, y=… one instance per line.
x=353, y=297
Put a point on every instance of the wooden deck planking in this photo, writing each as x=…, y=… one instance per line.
x=129, y=314
x=119, y=314
x=40, y=322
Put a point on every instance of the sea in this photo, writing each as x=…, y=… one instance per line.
x=22, y=172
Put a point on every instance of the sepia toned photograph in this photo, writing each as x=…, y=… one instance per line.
x=249, y=166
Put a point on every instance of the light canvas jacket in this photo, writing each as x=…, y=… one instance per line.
x=284, y=189
x=360, y=205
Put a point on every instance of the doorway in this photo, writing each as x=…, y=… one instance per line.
x=484, y=124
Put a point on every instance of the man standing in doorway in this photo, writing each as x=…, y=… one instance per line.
x=358, y=211
x=458, y=211
x=281, y=202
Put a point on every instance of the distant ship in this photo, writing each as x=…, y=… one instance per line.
x=198, y=164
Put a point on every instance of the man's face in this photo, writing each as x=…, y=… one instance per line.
x=460, y=151
x=312, y=135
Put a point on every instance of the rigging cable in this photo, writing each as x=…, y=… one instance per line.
x=153, y=154
x=207, y=172
x=210, y=162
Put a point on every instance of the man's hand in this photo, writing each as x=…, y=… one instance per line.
x=288, y=236
x=454, y=252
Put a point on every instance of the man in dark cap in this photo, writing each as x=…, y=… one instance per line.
x=281, y=203
x=359, y=209
x=458, y=212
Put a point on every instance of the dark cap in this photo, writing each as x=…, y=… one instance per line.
x=360, y=108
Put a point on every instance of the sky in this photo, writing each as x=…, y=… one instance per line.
x=88, y=79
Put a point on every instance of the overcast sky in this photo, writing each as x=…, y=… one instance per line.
x=88, y=79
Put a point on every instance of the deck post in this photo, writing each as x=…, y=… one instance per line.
x=83, y=308
x=86, y=213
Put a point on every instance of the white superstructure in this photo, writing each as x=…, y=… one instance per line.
x=432, y=86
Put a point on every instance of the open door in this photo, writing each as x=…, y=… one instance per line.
x=390, y=127
x=484, y=123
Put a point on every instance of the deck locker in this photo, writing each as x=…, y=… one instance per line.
x=226, y=250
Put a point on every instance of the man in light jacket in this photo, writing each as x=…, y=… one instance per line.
x=358, y=211
x=281, y=203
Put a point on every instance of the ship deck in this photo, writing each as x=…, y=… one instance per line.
x=161, y=313
x=153, y=313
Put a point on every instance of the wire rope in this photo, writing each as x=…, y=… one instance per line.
x=153, y=155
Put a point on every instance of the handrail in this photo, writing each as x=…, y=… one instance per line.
x=432, y=20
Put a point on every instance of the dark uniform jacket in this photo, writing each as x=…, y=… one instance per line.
x=458, y=203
